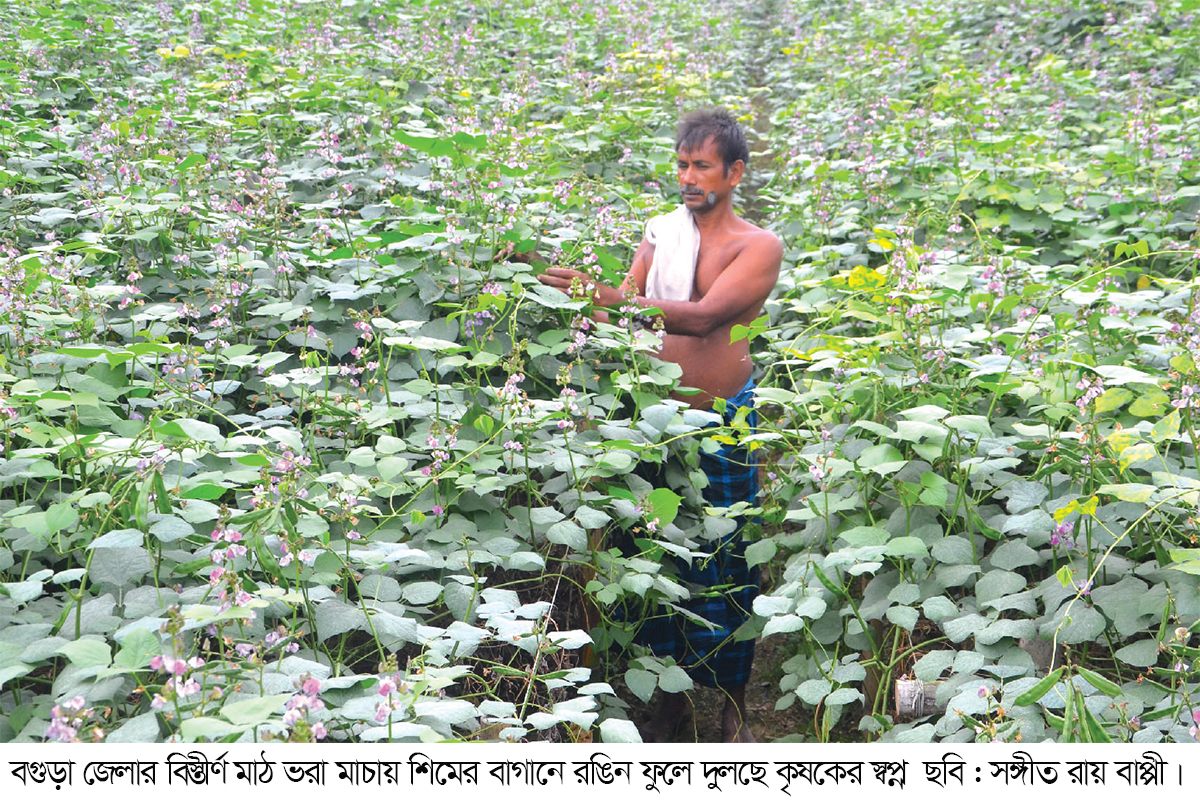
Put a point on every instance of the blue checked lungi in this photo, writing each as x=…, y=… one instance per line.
x=725, y=584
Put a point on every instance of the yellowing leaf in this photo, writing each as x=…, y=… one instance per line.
x=1063, y=512
x=1118, y=440
x=1063, y=575
x=1167, y=428
x=1139, y=452
x=1133, y=493
x=182, y=51
x=1088, y=507
x=1150, y=404
x=1112, y=399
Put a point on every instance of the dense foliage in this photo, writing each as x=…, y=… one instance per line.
x=296, y=446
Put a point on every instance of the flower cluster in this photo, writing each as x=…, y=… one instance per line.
x=479, y=318
x=511, y=395
x=176, y=686
x=284, y=477
x=580, y=326
x=1063, y=535
x=1189, y=397
x=390, y=687
x=1091, y=389
x=67, y=718
x=297, y=715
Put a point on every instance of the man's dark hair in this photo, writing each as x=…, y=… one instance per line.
x=698, y=126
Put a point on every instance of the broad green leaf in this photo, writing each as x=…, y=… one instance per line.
x=761, y=552
x=934, y=491
x=255, y=710
x=674, y=679
x=883, y=459
x=87, y=652
x=907, y=546
x=569, y=534
x=641, y=683
x=60, y=516
x=591, y=518
x=614, y=730
x=195, y=728
x=1142, y=653
x=137, y=648
x=664, y=506
x=206, y=492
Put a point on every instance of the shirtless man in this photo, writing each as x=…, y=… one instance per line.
x=736, y=269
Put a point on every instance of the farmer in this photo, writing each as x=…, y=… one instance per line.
x=706, y=269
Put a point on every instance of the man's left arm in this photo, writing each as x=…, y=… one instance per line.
x=747, y=280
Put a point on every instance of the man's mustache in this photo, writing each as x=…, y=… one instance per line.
x=711, y=198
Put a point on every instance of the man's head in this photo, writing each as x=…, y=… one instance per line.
x=711, y=156
x=697, y=126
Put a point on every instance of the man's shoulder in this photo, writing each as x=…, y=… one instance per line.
x=752, y=232
x=760, y=240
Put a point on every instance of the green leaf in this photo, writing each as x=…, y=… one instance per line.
x=87, y=652
x=189, y=162
x=137, y=648
x=1040, y=689
x=196, y=727
x=761, y=552
x=254, y=711
x=591, y=518
x=204, y=492
x=1142, y=653
x=568, y=533
x=641, y=683
x=883, y=459
x=1186, y=560
x=60, y=516
x=863, y=536
x=664, y=505
x=614, y=730
x=934, y=492
x=197, y=430
x=907, y=546
x=814, y=691
x=674, y=679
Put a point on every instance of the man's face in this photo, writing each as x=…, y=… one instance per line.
x=701, y=171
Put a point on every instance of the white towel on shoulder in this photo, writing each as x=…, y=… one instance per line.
x=676, y=241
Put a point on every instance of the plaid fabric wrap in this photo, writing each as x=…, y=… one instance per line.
x=725, y=583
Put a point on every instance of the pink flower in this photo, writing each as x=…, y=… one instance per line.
x=311, y=686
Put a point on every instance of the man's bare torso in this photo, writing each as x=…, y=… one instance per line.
x=711, y=363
